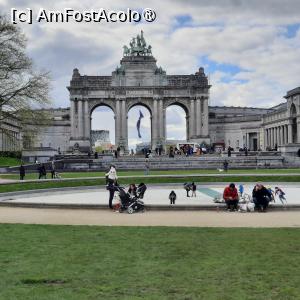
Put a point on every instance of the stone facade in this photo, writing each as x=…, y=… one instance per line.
x=10, y=134
x=138, y=81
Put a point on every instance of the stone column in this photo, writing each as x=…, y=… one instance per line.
x=80, y=119
x=87, y=125
x=161, y=119
x=271, y=137
x=290, y=135
x=73, y=120
x=154, y=125
x=205, y=117
x=265, y=138
x=124, y=126
x=198, y=118
x=298, y=130
x=279, y=135
x=117, y=122
x=286, y=134
x=192, y=118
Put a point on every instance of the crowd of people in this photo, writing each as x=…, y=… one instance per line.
x=261, y=196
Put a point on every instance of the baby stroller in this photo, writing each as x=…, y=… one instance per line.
x=132, y=203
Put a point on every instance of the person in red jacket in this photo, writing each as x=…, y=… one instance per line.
x=231, y=197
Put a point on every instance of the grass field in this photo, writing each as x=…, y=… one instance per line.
x=154, y=172
x=84, y=262
x=9, y=161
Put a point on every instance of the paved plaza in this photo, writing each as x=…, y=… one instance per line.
x=154, y=196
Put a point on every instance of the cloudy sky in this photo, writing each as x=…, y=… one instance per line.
x=249, y=49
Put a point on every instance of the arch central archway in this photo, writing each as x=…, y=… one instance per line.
x=139, y=128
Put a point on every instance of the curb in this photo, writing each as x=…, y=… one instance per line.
x=217, y=208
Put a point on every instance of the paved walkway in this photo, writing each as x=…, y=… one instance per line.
x=154, y=195
x=151, y=218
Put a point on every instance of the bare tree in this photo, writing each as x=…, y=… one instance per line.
x=21, y=87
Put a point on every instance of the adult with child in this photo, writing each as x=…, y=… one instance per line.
x=261, y=197
x=231, y=197
x=112, y=178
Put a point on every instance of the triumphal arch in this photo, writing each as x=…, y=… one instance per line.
x=138, y=81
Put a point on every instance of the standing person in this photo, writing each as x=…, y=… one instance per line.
x=40, y=170
x=187, y=187
x=241, y=190
x=229, y=151
x=225, y=165
x=260, y=197
x=112, y=177
x=52, y=169
x=22, y=172
x=246, y=151
x=281, y=194
x=172, y=197
x=44, y=172
x=194, y=188
x=147, y=166
x=231, y=197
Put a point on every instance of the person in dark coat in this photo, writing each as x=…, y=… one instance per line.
x=22, y=172
x=261, y=197
x=44, y=172
x=40, y=170
x=229, y=151
x=172, y=197
x=112, y=178
x=225, y=165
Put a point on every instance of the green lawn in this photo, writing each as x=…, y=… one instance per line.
x=85, y=262
x=9, y=161
x=12, y=187
x=167, y=172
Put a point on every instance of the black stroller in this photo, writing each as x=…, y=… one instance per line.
x=132, y=203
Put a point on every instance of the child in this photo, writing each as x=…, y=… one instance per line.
x=271, y=192
x=280, y=193
x=194, y=188
x=241, y=190
x=172, y=197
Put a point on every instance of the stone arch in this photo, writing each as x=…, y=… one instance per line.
x=93, y=105
x=183, y=104
x=185, y=107
x=293, y=110
x=133, y=103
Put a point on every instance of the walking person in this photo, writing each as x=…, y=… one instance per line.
x=40, y=171
x=112, y=177
x=231, y=197
x=147, y=166
x=281, y=194
x=22, y=172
